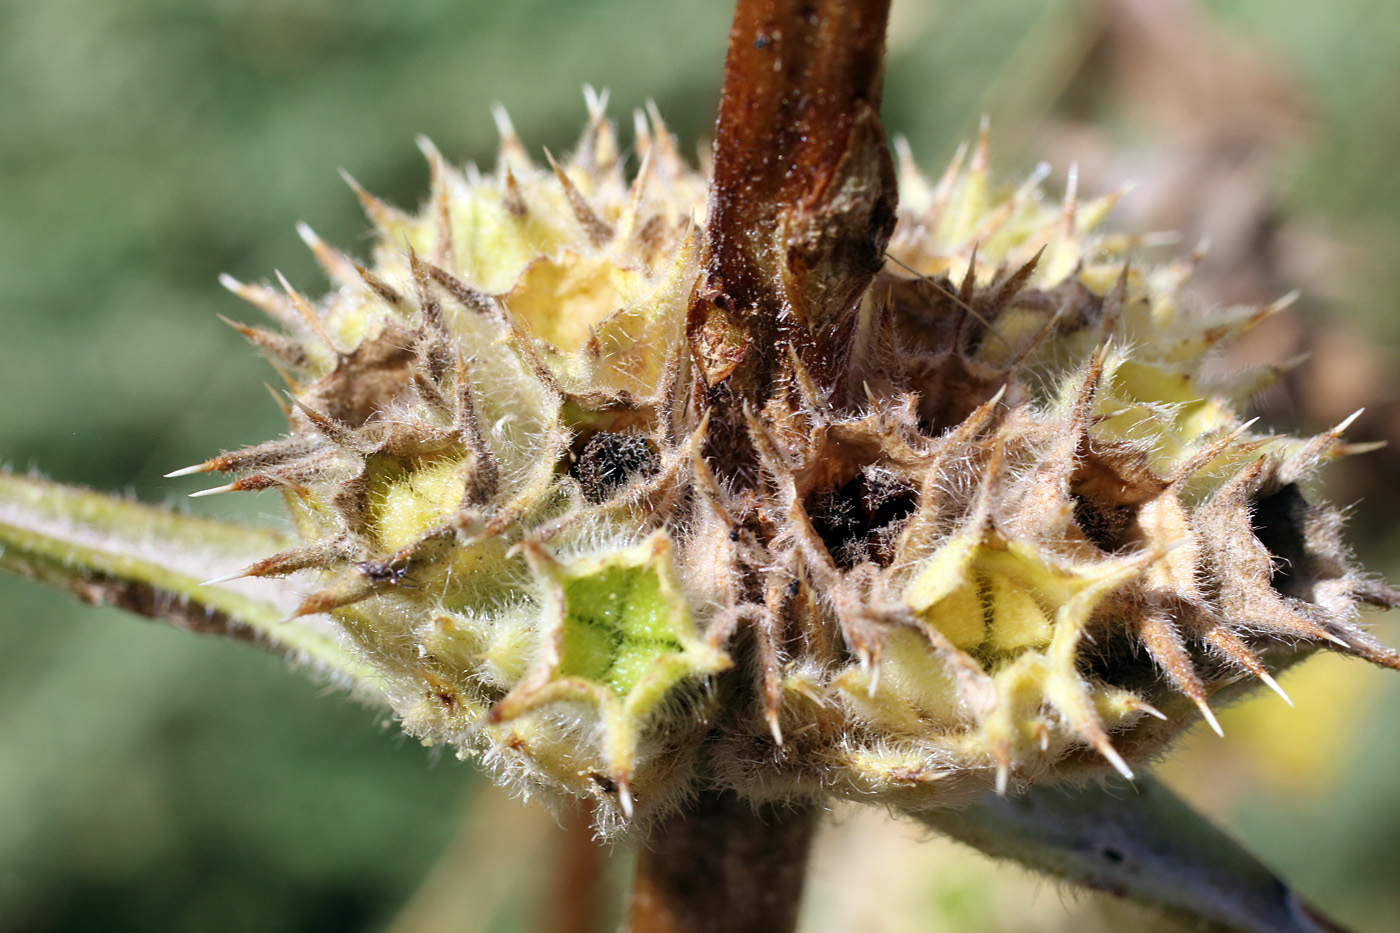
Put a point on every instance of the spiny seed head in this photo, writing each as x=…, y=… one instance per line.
x=1023, y=534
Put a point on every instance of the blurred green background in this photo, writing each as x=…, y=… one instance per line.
x=153, y=780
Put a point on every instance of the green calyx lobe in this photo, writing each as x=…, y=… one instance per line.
x=617, y=627
x=623, y=631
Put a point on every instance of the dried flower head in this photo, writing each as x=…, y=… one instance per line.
x=987, y=519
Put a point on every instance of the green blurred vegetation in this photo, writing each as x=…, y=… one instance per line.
x=151, y=780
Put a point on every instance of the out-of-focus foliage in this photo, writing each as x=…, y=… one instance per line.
x=152, y=780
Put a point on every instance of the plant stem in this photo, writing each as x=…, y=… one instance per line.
x=723, y=865
x=576, y=889
x=802, y=202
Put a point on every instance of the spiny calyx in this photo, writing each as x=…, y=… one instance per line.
x=1010, y=531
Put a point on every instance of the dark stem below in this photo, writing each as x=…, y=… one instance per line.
x=576, y=889
x=723, y=865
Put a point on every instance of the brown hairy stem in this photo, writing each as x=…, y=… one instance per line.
x=723, y=865
x=802, y=203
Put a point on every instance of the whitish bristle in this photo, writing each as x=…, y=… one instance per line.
x=381, y=214
x=1345, y=423
x=1071, y=202
x=1111, y=754
x=204, y=467
x=237, y=574
x=1142, y=706
x=1209, y=716
x=512, y=150
x=1273, y=685
x=231, y=487
x=335, y=263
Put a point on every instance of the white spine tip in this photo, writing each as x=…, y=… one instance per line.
x=1003, y=777
x=1273, y=685
x=1111, y=754
x=1042, y=735
x=230, y=283
x=596, y=103
x=624, y=798
x=308, y=236
x=1149, y=709
x=425, y=146
x=1346, y=422
x=237, y=574
x=213, y=492
x=1340, y=643
x=654, y=112
x=1210, y=719
x=189, y=470
x=1284, y=301
x=776, y=729
x=504, y=127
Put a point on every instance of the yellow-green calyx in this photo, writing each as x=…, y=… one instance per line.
x=1018, y=534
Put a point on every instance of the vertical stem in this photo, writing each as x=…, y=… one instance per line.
x=575, y=895
x=802, y=203
x=799, y=77
x=723, y=865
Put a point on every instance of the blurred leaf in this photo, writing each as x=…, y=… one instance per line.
x=1138, y=841
x=151, y=561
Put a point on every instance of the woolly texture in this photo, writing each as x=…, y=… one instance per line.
x=1020, y=535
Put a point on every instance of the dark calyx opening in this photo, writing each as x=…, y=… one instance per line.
x=1107, y=525
x=609, y=461
x=1280, y=523
x=1110, y=485
x=858, y=520
x=1113, y=655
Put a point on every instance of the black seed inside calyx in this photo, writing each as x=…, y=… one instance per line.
x=609, y=461
x=858, y=519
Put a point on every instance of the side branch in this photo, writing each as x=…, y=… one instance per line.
x=114, y=552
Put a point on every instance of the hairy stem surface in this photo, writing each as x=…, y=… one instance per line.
x=802, y=203
x=723, y=865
